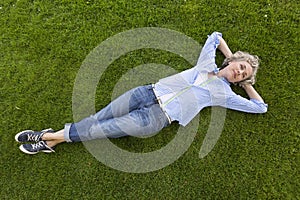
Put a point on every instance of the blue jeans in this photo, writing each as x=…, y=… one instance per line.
x=135, y=113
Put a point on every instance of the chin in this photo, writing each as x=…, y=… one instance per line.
x=230, y=80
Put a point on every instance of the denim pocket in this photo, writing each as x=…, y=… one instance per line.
x=141, y=117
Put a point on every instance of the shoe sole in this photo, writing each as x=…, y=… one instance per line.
x=32, y=153
x=18, y=134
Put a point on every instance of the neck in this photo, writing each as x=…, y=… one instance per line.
x=221, y=74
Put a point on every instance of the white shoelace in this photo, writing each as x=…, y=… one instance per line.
x=32, y=137
x=38, y=145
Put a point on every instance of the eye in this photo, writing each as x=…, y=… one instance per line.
x=245, y=74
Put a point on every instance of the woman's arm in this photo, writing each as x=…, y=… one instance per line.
x=252, y=93
x=255, y=105
x=223, y=47
x=206, y=61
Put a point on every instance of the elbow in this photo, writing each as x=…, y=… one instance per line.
x=263, y=109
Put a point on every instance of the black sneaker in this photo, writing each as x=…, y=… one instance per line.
x=31, y=136
x=35, y=148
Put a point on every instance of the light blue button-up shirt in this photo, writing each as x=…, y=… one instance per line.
x=183, y=95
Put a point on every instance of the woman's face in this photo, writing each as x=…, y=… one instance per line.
x=237, y=71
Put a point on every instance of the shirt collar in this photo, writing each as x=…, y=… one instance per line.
x=216, y=71
x=225, y=80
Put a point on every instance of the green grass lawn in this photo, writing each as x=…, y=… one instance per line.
x=43, y=44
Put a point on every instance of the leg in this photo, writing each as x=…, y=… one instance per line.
x=53, y=139
x=139, y=122
x=133, y=99
x=138, y=116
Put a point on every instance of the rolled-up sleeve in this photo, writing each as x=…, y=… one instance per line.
x=206, y=60
x=239, y=103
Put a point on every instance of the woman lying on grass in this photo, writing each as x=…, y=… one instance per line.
x=148, y=109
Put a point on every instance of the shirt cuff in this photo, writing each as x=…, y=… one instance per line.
x=261, y=104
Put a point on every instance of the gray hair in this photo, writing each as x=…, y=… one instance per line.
x=253, y=60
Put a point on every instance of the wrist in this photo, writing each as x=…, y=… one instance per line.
x=246, y=86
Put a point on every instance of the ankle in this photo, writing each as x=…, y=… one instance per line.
x=51, y=143
x=47, y=136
